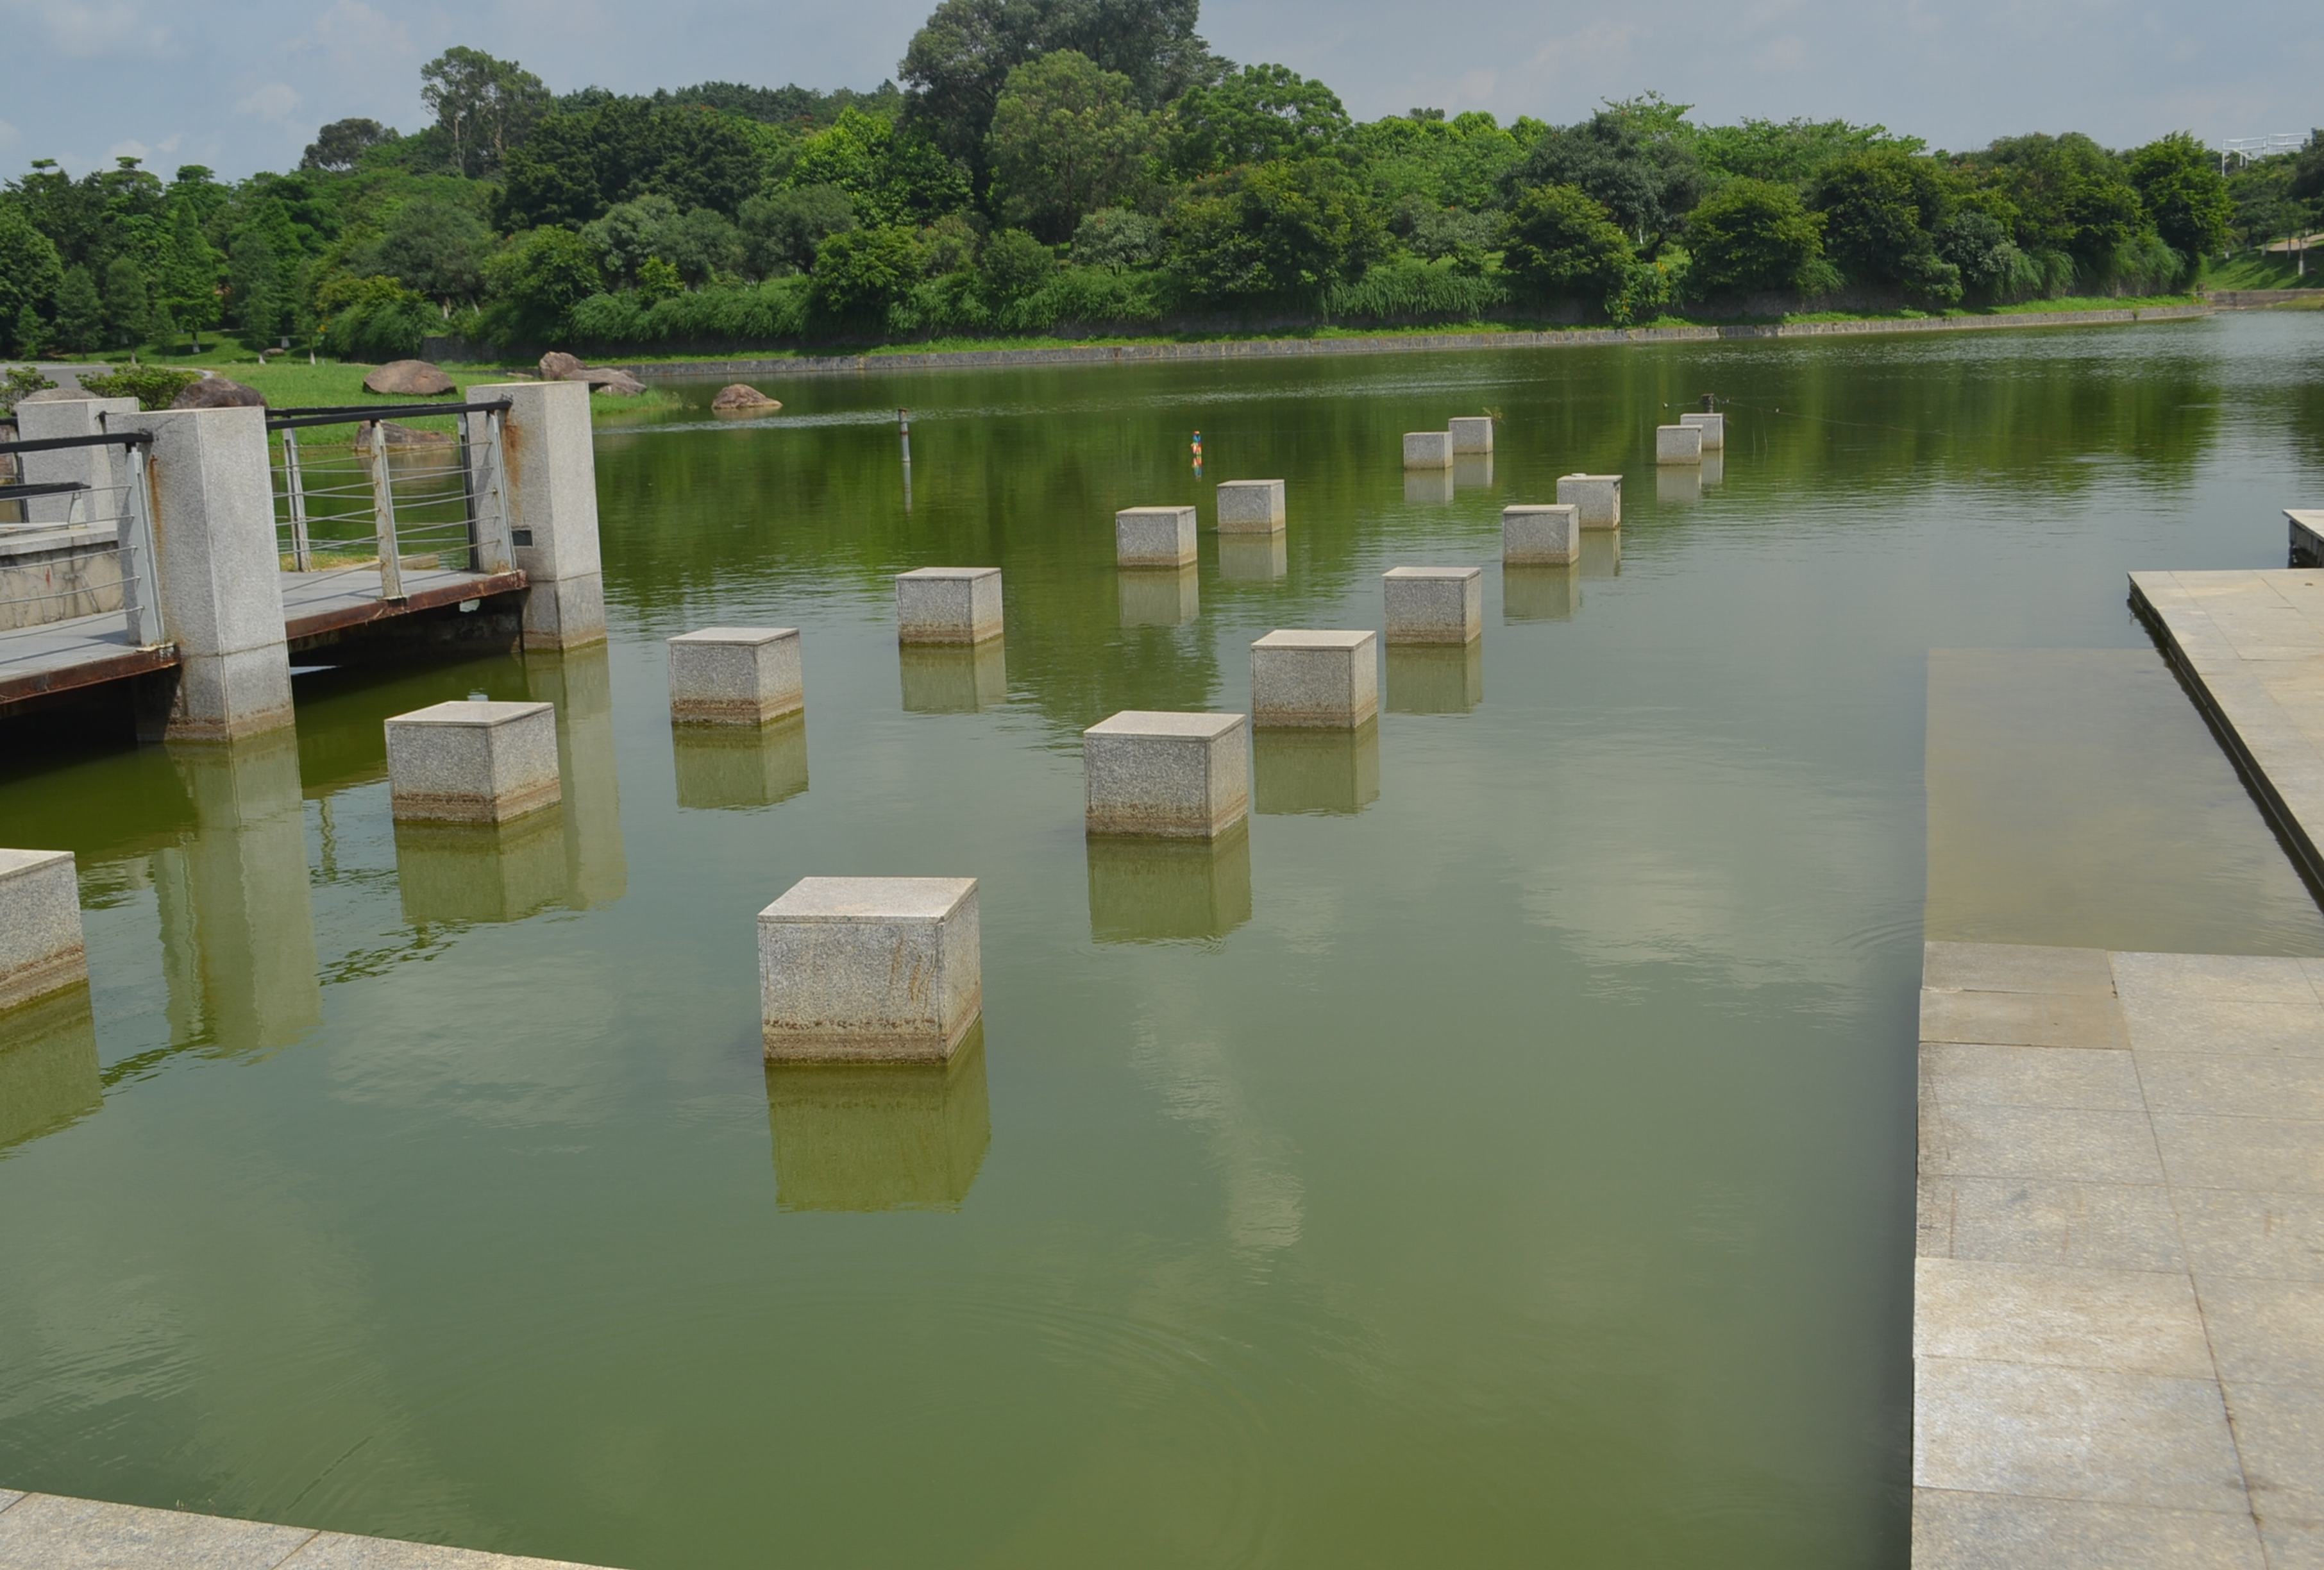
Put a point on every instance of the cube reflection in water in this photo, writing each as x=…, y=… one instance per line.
x=237, y=920
x=1714, y=468
x=483, y=873
x=1540, y=593
x=580, y=684
x=1676, y=485
x=1471, y=471
x=48, y=1065
x=953, y=678
x=1159, y=597
x=1316, y=770
x=1425, y=486
x=1158, y=891
x=1253, y=557
x=879, y=1136
x=1601, y=554
x=736, y=768
x=1424, y=679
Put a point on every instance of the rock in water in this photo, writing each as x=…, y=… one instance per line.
x=742, y=398
x=219, y=392
x=556, y=366
x=606, y=379
x=414, y=378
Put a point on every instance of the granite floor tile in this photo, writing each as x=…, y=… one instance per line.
x=2098, y=1079
x=2080, y=1434
x=2280, y=1432
x=2293, y=1545
x=2060, y=1315
x=2248, y=977
x=2264, y=1332
x=2228, y=1025
x=2011, y=967
x=8, y=1496
x=1954, y=1531
x=337, y=1551
x=2213, y=1085
x=2232, y=1231
x=2022, y=1019
x=45, y=1532
x=2105, y=1226
x=2259, y=1155
x=1978, y=1139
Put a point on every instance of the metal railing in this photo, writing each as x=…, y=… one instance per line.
x=435, y=504
x=87, y=525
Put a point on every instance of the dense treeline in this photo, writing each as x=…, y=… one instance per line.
x=1068, y=165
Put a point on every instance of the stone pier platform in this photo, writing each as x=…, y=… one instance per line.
x=2118, y=1307
x=42, y=1531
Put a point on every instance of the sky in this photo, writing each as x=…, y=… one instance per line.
x=241, y=85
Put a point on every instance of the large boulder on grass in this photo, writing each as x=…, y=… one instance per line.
x=556, y=366
x=408, y=378
x=742, y=398
x=607, y=379
x=219, y=392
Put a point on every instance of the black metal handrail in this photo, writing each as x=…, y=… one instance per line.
x=297, y=418
x=60, y=443
x=54, y=489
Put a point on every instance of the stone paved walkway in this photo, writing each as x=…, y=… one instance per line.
x=2118, y=1320
x=41, y=1531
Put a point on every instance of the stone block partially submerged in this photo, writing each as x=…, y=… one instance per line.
x=1597, y=498
x=1428, y=449
x=1315, y=678
x=1154, y=537
x=870, y=970
x=1251, y=507
x=40, y=949
x=1178, y=776
x=1678, y=443
x=948, y=605
x=1434, y=605
x=735, y=676
x=472, y=762
x=1541, y=536
x=1470, y=433
x=1713, y=427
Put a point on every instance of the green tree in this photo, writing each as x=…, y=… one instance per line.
x=1647, y=176
x=1563, y=245
x=1282, y=231
x=1881, y=210
x=2185, y=196
x=891, y=176
x=1421, y=160
x=657, y=281
x=702, y=245
x=1015, y=265
x=782, y=228
x=436, y=248
x=30, y=271
x=1978, y=244
x=1117, y=238
x=1259, y=113
x=484, y=107
x=859, y=272
x=628, y=234
x=1067, y=138
x=538, y=277
x=80, y=314
x=341, y=144
x=1792, y=151
x=2069, y=193
x=128, y=305
x=1752, y=234
x=28, y=333
x=189, y=274
x=254, y=276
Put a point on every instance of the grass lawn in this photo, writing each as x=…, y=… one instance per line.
x=2262, y=269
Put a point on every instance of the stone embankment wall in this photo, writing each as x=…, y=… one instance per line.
x=1403, y=343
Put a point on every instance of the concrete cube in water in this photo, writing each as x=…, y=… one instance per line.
x=948, y=605
x=1428, y=449
x=1251, y=507
x=870, y=970
x=1154, y=536
x=472, y=762
x=40, y=949
x=1597, y=499
x=1713, y=428
x=735, y=676
x=1180, y=776
x=1470, y=433
x=1315, y=678
x=1434, y=605
x=1678, y=443
x=1541, y=536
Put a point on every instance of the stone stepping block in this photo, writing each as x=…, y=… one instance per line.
x=1597, y=497
x=735, y=676
x=1541, y=536
x=859, y=970
x=1713, y=428
x=1315, y=678
x=948, y=605
x=1434, y=605
x=1251, y=507
x=1678, y=443
x=1470, y=433
x=1178, y=776
x=1428, y=449
x=1154, y=537
x=40, y=949
x=472, y=762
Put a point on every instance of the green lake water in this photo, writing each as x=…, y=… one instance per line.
x=1500, y=1154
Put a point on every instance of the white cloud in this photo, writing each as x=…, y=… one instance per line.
x=272, y=102
x=95, y=29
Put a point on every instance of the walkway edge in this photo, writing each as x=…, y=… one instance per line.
x=1414, y=343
